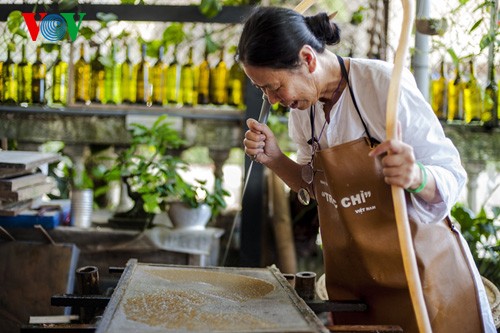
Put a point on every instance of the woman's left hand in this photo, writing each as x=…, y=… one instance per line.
x=398, y=161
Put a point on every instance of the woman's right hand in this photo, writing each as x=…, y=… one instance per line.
x=260, y=143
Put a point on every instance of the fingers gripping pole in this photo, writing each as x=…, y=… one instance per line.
x=403, y=226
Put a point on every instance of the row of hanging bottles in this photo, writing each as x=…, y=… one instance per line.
x=101, y=81
x=462, y=99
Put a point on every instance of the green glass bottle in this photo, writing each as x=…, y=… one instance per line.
x=82, y=78
x=24, y=78
x=439, y=93
x=143, y=85
x=490, y=111
x=456, y=88
x=159, y=78
x=112, y=79
x=38, y=83
x=473, y=104
x=60, y=80
x=236, y=86
x=203, y=82
x=128, y=79
x=218, y=85
x=187, y=90
x=173, y=79
x=97, y=90
x=9, y=74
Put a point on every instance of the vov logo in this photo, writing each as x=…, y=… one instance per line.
x=53, y=27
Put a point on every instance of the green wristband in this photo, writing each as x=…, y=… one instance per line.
x=424, y=180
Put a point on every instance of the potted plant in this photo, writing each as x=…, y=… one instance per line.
x=481, y=234
x=151, y=172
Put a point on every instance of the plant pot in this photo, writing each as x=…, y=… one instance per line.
x=185, y=217
x=431, y=26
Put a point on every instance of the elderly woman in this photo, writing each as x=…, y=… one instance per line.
x=337, y=120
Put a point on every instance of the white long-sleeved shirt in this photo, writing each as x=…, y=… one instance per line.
x=421, y=129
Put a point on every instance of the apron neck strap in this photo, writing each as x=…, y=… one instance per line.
x=312, y=114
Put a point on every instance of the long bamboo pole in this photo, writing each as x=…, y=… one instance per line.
x=403, y=225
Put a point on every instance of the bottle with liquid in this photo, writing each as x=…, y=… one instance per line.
x=187, y=86
x=218, y=84
x=203, y=82
x=112, y=78
x=173, y=79
x=82, y=78
x=9, y=75
x=439, y=93
x=143, y=90
x=97, y=90
x=24, y=78
x=159, y=78
x=490, y=111
x=236, y=86
x=456, y=88
x=128, y=79
x=60, y=80
x=39, y=73
x=473, y=104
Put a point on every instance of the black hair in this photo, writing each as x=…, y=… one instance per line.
x=273, y=36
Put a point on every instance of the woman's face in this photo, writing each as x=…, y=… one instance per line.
x=292, y=88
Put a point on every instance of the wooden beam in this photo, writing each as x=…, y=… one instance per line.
x=158, y=13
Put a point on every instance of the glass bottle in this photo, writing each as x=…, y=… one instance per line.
x=82, y=78
x=173, y=79
x=439, y=93
x=473, y=105
x=60, y=80
x=187, y=86
x=159, y=78
x=39, y=73
x=24, y=78
x=236, y=86
x=9, y=74
x=97, y=91
x=203, y=86
x=128, y=79
x=112, y=78
x=143, y=85
x=490, y=111
x=218, y=85
x=456, y=88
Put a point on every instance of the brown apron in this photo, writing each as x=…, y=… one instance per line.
x=362, y=256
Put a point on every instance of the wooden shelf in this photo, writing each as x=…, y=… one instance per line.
x=227, y=113
x=151, y=13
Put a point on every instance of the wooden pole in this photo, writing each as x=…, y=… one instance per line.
x=398, y=196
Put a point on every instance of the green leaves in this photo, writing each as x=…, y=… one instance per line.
x=86, y=32
x=67, y=4
x=173, y=34
x=14, y=22
x=358, y=15
x=210, y=8
x=150, y=168
x=481, y=233
x=210, y=44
